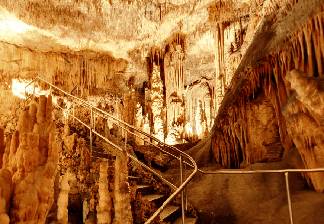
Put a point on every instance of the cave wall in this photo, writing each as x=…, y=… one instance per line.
x=263, y=73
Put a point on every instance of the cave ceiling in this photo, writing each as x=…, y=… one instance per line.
x=116, y=27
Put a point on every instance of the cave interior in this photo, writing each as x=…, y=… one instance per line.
x=161, y=111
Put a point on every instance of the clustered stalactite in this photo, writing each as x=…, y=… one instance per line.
x=303, y=51
x=157, y=104
x=175, y=111
x=198, y=110
x=304, y=114
x=30, y=163
x=174, y=89
x=229, y=38
x=85, y=73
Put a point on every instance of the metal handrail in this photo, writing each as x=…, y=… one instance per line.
x=283, y=171
x=131, y=129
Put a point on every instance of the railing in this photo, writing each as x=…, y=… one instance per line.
x=284, y=171
x=175, y=153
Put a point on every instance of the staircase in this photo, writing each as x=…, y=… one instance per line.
x=168, y=207
x=147, y=193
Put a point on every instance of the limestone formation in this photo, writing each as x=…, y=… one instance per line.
x=304, y=116
x=123, y=213
x=32, y=159
x=6, y=189
x=2, y=146
x=104, y=208
x=245, y=77
x=63, y=199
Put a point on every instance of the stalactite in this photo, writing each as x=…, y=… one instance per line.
x=306, y=41
x=65, y=69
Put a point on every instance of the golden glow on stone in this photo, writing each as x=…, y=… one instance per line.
x=18, y=88
x=13, y=25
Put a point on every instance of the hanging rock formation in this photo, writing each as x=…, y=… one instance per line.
x=290, y=99
x=304, y=114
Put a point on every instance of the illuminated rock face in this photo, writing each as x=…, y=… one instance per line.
x=229, y=38
x=198, y=107
x=174, y=91
x=304, y=116
x=157, y=103
x=181, y=29
x=275, y=100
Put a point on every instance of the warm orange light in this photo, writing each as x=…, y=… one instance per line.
x=13, y=25
x=18, y=88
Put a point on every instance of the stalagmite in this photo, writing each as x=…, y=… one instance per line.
x=5, y=195
x=32, y=159
x=104, y=208
x=123, y=213
x=2, y=146
x=139, y=123
x=156, y=96
x=63, y=199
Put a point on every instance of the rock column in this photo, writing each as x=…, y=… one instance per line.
x=123, y=212
x=104, y=207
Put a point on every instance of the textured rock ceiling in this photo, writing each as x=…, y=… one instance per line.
x=115, y=26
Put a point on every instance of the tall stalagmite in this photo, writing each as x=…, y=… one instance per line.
x=123, y=212
x=104, y=208
x=32, y=158
x=63, y=198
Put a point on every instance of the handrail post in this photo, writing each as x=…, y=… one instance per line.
x=185, y=189
x=182, y=192
x=34, y=90
x=73, y=112
x=125, y=141
x=288, y=198
x=91, y=125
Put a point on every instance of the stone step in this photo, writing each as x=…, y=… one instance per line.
x=167, y=211
x=152, y=197
x=186, y=221
x=142, y=186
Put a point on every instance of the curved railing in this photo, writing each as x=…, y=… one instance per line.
x=183, y=158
